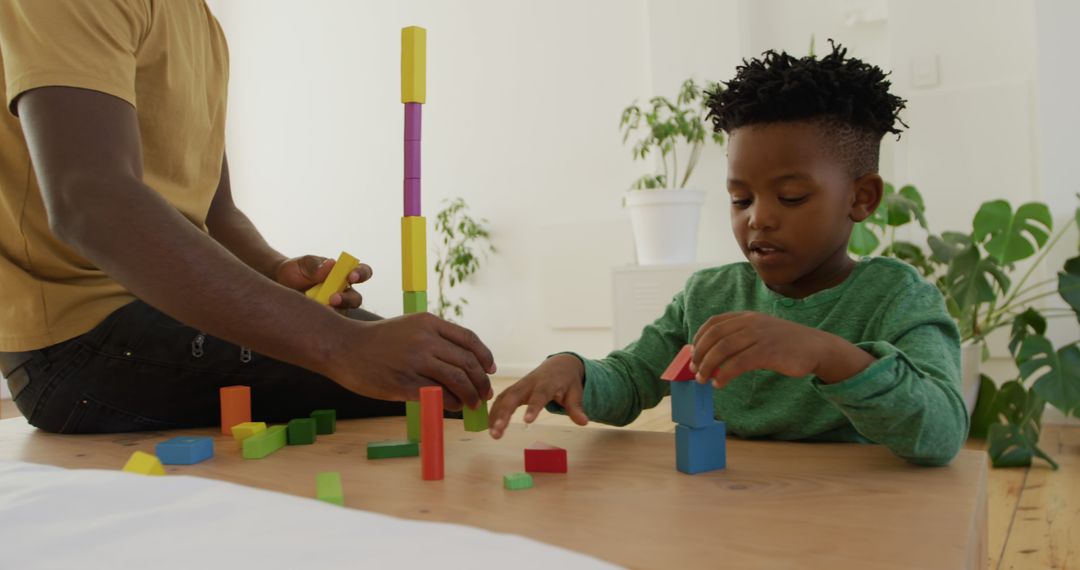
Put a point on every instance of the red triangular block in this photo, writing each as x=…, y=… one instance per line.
x=679, y=369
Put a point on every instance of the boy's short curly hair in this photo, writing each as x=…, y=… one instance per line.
x=848, y=97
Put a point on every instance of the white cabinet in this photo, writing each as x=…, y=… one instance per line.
x=640, y=294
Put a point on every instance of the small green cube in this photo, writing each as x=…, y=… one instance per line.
x=302, y=431
x=415, y=302
x=476, y=420
x=325, y=421
x=264, y=443
x=395, y=448
x=517, y=481
x=412, y=417
x=328, y=488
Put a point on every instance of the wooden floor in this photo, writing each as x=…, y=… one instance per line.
x=1034, y=513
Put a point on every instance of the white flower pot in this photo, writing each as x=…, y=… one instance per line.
x=970, y=368
x=665, y=224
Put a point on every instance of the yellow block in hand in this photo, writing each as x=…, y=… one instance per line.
x=337, y=281
x=144, y=464
x=414, y=253
x=413, y=64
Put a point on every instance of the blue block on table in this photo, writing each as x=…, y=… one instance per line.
x=692, y=404
x=700, y=449
x=185, y=450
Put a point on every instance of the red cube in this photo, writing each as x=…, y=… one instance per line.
x=543, y=458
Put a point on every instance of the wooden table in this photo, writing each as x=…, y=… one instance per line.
x=777, y=505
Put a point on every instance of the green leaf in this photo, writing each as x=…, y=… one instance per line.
x=904, y=205
x=1013, y=237
x=863, y=241
x=914, y=255
x=986, y=408
x=1014, y=442
x=1060, y=383
x=948, y=245
x=1024, y=323
x=968, y=279
x=1069, y=284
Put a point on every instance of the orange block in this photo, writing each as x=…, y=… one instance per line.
x=431, y=433
x=679, y=369
x=235, y=407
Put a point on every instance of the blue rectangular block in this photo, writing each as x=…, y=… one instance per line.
x=692, y=404
x=700, y=449
x=185, y=450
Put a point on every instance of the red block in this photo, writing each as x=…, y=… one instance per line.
x=235, y=407
x=543, y=458
x=431, y=433
x=679, y=369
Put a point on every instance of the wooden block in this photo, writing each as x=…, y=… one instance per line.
x=476, y=420
x=413, y=114
x=313, y=291
x=692, y=404
x=679, y=369
x=235, y=407
x=413, y=253
x=301, y=431
x=325, y=421
x=264, y=443
x=412, y=417
x=543, y=458
x=413, y=64
x=414, y=302
x=185, y=450
x=431, y=433
x=338, y=279
x=698, y=450
x=412, y=160
x=144, y=464
x=412, y=197
x=328, y=488
x=394, y=448
x=240, y=432
x=517, y=481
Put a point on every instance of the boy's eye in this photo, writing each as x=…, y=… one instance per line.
x=794, y=200
x=740, y=202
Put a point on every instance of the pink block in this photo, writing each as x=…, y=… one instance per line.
x=412, y=121
x=412, y=197
x=412, y=159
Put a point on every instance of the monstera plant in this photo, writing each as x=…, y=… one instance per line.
x=985, y=289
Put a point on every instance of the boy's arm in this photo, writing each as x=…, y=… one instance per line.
x=618, y=387
x=909, y=398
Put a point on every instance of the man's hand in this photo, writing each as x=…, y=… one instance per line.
x=303, y=273
x=731, y=344
x=559, y=379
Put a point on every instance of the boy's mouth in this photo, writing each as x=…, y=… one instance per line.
x=764, y=250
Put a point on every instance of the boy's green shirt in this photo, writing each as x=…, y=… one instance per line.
x=908, y=400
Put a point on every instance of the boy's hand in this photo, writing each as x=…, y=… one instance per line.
x=559, y=378
x=303, y=273
x=731, y=344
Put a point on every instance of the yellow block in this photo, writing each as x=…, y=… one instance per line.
x=338, y=278
x=313, y=291
x=240, y=432
x=413, y=253
x=144, y=464
x=413, y=64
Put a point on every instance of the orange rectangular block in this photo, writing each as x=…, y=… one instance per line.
x=235, y=407
x=431, y=433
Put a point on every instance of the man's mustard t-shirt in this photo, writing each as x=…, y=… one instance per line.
x=168, y=59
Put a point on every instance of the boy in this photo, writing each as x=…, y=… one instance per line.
x=804, y=342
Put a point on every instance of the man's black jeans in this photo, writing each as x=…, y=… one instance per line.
x=142, y=370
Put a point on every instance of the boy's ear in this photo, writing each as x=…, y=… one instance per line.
x=868, y=191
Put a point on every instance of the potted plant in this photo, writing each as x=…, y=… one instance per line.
x=465, y=241
x=976, y=272
x=665, y=213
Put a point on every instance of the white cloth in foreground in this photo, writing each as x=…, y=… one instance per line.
x=87, y=519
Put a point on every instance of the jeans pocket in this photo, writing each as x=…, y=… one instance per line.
x=89, y=415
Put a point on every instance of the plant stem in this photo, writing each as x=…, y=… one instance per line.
x=675, y=163
x=1029, y=300
x=694, y=153
x=1036, y=263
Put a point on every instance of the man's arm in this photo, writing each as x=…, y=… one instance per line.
x=230, y=227
x=87, y=155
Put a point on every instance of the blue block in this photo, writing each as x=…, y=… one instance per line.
x=185, y=450
x=692, y=404
x=700, y=449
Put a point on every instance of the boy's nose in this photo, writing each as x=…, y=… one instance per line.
x=762, y=218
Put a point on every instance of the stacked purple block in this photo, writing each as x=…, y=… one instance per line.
x=412, y=159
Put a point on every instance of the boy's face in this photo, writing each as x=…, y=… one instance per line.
x=793, y=205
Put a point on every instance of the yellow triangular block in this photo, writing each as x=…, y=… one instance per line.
x=144, y=464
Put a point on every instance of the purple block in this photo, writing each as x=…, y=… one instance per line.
x=412, y=197
x=412, y=121
x=412, y=159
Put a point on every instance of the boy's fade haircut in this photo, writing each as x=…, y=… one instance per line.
x=847, y=97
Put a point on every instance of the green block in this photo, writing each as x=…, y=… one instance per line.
x=476, y=420
x=328, y=488
x=412, y=417
x=325, y=421
x=395, y=448
x=302, y=431
x=517, y=481
x=415, y=302
x=265, y=442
